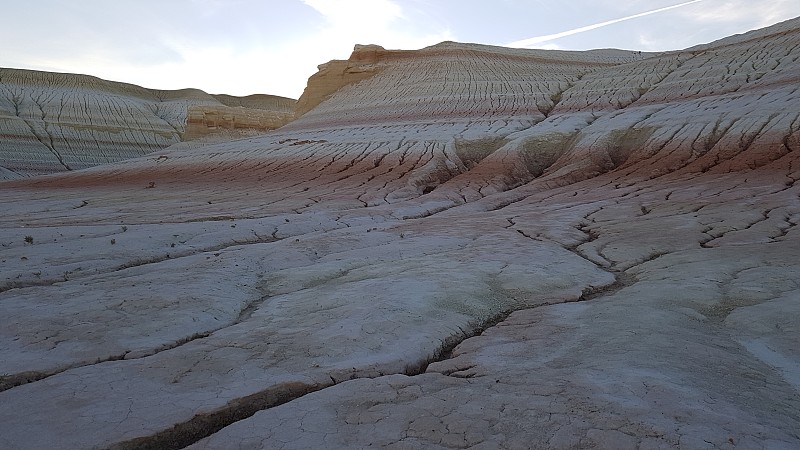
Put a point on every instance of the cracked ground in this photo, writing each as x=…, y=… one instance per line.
x=553, y=250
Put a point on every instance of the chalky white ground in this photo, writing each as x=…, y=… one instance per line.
x=609, y=237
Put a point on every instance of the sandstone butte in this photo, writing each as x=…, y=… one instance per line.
x=457, y=247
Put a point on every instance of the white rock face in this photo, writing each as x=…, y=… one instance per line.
x=52, y=122
x=456, y=247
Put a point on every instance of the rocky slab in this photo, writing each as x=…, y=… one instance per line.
x=457, y=247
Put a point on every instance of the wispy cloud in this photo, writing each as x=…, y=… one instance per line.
x=732, y=11
x=382, y=22
x=360, y=13
x=550, y=37
x=350, y=22
x=247, y=46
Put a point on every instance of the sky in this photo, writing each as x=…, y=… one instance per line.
x=243, y=47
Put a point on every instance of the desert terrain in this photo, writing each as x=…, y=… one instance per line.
x=462, y=246
x=55, y=122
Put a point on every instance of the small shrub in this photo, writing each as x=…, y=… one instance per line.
x=29, y=239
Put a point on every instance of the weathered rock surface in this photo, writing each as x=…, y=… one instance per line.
x=610, y=239
x=52, y=122
x=255, y=112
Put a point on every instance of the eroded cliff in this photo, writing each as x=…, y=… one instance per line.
x=457, y=247
x=52, y=122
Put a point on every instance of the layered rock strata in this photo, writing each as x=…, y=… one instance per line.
x=51, y=122
x=462, y=247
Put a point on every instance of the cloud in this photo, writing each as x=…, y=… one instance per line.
x=759, y=14
x=712, y=20
x=357, y=13
x=247, y=46
x=550, y=37
x=350, y=22
x=382, y=22
x=237, y=47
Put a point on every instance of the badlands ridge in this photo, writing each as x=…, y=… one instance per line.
x=52, y=122
x=456, y=247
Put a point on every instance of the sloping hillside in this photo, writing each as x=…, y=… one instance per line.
x=52, y=122
x=457, y=247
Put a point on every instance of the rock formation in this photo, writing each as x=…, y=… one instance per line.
x=457, y=247
x=52, y=122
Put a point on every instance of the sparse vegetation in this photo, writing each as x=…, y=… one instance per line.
x=29, y=239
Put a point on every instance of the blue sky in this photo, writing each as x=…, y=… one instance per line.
x=243, y=47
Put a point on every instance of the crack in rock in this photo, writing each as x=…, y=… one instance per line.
x=207, y=423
